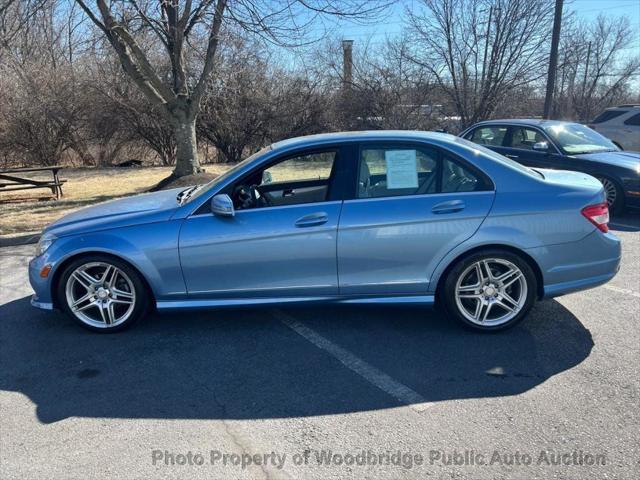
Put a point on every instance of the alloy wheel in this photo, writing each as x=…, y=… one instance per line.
x=610, y=191
x=100, y=294
x=491, y=292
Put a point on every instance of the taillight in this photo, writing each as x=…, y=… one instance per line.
x=598, y=215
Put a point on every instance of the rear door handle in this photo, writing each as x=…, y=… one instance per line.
x=312, y=220
x=448, y=207
x=288, y=193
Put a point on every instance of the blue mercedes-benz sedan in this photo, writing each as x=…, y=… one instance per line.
x=565, y=146
x=386, y=217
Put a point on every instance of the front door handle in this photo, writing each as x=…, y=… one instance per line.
x=312, y=220
x=448, y=207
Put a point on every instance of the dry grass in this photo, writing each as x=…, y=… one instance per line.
x=31, y=210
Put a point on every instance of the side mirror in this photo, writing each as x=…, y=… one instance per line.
x=222, y=205
x=541, y=146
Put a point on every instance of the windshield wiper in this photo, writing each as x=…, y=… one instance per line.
x=184, y=194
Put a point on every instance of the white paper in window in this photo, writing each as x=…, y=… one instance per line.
x=402, y=169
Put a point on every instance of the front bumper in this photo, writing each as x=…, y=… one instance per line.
x=41, y=286
x=35, y=302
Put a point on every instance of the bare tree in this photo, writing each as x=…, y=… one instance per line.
x=595, y=69
x=481, y=51
x=176, y=26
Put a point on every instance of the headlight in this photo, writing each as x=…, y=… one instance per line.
x=44, y=243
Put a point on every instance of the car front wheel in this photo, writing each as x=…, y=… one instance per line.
x=490, y=290
x=101, y=293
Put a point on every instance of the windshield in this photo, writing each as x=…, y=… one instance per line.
x=575, y=139
x=218, y=180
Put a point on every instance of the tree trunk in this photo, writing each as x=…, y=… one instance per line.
x=184, y=129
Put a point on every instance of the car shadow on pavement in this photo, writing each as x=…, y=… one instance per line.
x=247, y=364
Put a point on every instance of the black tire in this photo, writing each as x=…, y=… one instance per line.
x=618, y=205
x=139, y=304
x=448, y=295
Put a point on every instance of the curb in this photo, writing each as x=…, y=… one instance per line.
x=27, y=239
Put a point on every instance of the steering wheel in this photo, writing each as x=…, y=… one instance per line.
x=250, y=197
x=245, y=197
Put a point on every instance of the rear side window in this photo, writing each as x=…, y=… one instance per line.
x=456, y=178
x=634, y=120
x=390, y=172
x=493, y=135
x=608, y=115
x=398, y=171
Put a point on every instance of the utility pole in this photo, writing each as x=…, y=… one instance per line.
x=553, y=59
x=347, y=63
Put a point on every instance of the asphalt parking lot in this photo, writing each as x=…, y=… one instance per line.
x=330, y=392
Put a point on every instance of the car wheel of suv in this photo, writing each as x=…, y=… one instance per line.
x=490, y=290
x=614, y=195
x=102, y=293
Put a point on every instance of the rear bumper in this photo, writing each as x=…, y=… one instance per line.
x=580, y=265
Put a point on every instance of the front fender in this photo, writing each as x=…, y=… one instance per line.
x=151, y=248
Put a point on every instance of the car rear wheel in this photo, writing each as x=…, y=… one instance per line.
x=102, y=294
x=614, y=195
x=490, y=290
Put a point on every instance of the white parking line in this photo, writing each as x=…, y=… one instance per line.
x=371, y=374
x=622, y=290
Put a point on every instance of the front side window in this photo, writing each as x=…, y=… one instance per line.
x=525, y=138
x=315, y=166
x=493, y=135
x=399, y=171
x=575, y=139
x=294, y=180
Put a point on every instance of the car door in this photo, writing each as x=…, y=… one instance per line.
x=285, y=246
x=631, y=133
x=410, y=205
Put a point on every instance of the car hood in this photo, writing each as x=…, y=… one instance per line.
x=135, y=210
x=621, y=159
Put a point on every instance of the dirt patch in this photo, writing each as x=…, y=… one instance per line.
x=186, y=181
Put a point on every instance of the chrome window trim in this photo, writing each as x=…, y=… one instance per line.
x=277, y=207
x=422, y=195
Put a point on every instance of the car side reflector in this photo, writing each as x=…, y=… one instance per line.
x=44, y=273
x=598, y=215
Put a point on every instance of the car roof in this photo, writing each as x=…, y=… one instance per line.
x=367, y=135
x=534, y=122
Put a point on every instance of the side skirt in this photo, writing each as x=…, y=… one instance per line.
x=426, y=300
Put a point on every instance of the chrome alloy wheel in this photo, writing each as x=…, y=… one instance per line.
x=610, y=191
x=100, y=295
x=490, y=292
